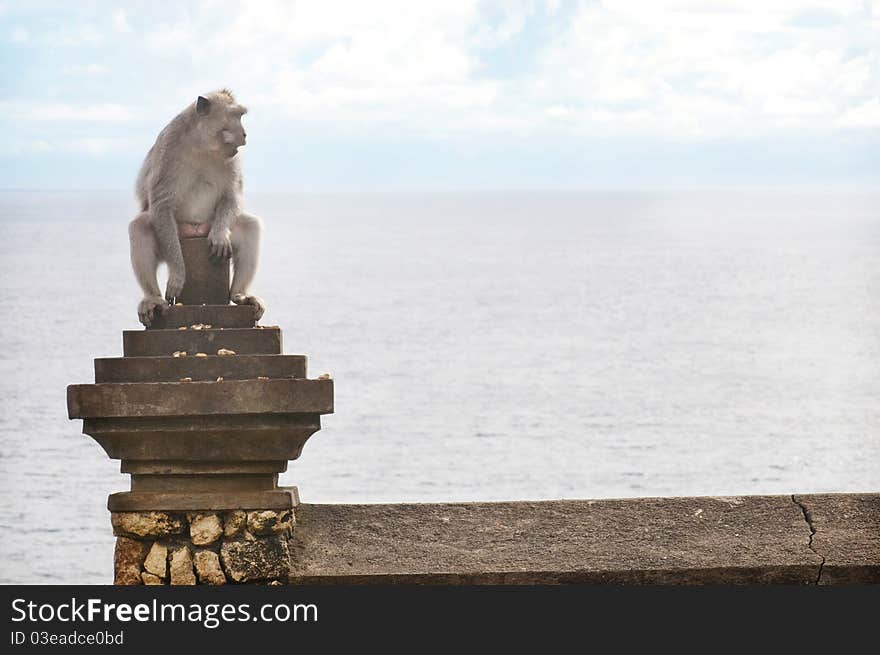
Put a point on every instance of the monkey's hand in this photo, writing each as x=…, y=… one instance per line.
x=221, y=246
x=256, y=301
x=147, y=309
x=175, y=284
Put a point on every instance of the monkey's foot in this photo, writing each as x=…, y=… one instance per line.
x=256, y=301
x=174, y=285
x=148, y=306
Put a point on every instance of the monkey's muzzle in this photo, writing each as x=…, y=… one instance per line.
x=233, y=140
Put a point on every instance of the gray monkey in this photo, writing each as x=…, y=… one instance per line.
x=190, y=185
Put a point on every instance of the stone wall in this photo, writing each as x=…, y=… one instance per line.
x=214, y=548
x=802, y=539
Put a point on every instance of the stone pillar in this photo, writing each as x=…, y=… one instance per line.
x=204, y=412
x=207, y=280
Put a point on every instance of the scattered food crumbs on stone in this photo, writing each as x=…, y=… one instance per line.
x=201, y=355
x=223, y=352
x=179, y=353
x=186, y=379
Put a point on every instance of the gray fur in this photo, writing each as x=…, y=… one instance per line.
x=192, y=175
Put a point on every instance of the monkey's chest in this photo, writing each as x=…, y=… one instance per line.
x=198, y=203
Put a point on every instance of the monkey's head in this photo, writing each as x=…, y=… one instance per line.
x=219, y=125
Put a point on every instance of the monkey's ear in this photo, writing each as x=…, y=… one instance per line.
x=203, y=106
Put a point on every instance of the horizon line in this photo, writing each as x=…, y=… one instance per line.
x=831, y=186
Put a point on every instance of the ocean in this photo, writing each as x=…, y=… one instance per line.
x=484, y=346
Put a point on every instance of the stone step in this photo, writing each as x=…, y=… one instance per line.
x=133, y=501
x=162, y=444
x=218, y=316
x=229, y=397
x=244, y=341
x=172, y=369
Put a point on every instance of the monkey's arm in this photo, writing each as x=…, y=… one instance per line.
x=224, y=213
x=165, y=227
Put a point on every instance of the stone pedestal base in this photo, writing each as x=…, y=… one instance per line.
x=203, y=411
x=213, y=548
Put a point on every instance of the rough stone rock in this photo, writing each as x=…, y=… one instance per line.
x=182, y=567
x=127, y=560
x=265, y=558
x=150, y=579
x=234, y=522
x=157, y=560
x=269, y=522
x=204, y=529
x=208, y=567
x=146, y=524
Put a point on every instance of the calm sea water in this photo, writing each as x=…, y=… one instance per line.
x=484, y=347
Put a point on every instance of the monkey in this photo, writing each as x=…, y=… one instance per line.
x=190, y=185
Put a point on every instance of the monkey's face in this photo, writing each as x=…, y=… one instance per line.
x=232, y=137
x=220, y=126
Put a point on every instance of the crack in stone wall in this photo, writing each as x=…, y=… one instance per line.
x=808, y=517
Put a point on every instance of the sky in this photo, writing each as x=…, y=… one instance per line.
x=453, y=94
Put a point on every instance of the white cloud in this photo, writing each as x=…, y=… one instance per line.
x=669, y=68
x=170, y=36
x=92, y=146
x=39, y=111
x=96, y=146
x=797, y=107
x=866, y=115
x=19, y=147
x=106, y=113
x=397, y=63
x=559, y=111
x=120, y=22
x=681, y=68
x=86, y=69
x=73, y=36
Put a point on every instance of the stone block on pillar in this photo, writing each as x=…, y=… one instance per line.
x=207, y=279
